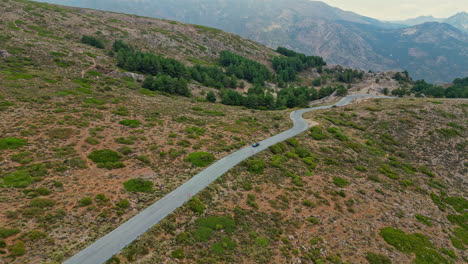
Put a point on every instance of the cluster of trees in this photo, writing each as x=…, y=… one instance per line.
x=244, y=68
x=92, y=41
x=147, y=63
x=258, y=98
x=459, y=89
x=287, y=67
x=402, y=77
x=348, y=75
x=167, y=84
x=213, y=76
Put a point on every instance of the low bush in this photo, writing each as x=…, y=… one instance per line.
x=317, y=133
x=105, y=155
x=340, y=182
x=42, y=203
x=85, y=201
x=375, y=258
x=123, y=203
x=413, y=243
x=423, y=219
x=18, y=179
x=256, y=166
x=138, y=185
x=196, y=205
x=12, y=143
x=336, y=132
x=17, y=249
x=92, y=141
x=200, y=159
x=6, y=232
x=92, y=41
x=130, y=123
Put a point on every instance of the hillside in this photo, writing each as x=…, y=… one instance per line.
x=315, y=28
x=89, y=137
x=62, y=100
x=370, y=184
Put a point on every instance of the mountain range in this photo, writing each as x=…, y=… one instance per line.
x=459, y=20
x=437, y=52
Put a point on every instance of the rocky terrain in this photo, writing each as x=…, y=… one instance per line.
x=83, y=147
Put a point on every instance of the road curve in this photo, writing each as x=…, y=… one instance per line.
x=111, y=244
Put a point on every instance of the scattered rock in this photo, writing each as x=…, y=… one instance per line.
x=135, y=76
x=4, y=54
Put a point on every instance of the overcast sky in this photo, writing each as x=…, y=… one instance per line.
x=401, y=9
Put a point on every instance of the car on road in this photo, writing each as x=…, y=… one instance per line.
x=256, y=144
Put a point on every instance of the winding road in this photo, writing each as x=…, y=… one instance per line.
x=111, y=244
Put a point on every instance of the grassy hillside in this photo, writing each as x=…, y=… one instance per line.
x=78, y=134
x=83, y=148
x=382, y=181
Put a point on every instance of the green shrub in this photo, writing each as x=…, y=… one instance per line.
x=375, y=258
x=18, y=249
x=200, y=159
x=196, y=205
x=124, y=140
x=95, y=101
x=308, y=203
x=317, y=133
x=92, y=41
x=462, y=234
x=130, y=123
x=178, y=253
x=145, y=159
x=5, y=232
x=413, y=243
x=101, y=199
x=361, y=168
x=293, y=142
x=85, y=201
x=461, y=220
x=22, y=157
x=12, y=143
x=313, y=220
x=423, y=219
x=92, y=141
x=203, y=234
x=336, y=132
x=278, y=148
x=262, y=242
x=256, y=166
x=122, y=111
x=123, y=203
x=111, y=165
x=33, y=235
x=105, y=155
x=125, y=150
x=18, y=179
x=385, y=170
x=340, y=182
x=226, y=243
x=2, y=244
x=138, y=185
x=42, y=203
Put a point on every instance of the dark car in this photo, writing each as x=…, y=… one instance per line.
x=255, y=144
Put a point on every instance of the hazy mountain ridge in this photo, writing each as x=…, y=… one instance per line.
x=316, y=28
x=459, y=20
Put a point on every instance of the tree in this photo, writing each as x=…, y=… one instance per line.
x=211, y=97
x=341, y=91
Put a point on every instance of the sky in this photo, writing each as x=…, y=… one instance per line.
x=401, y=9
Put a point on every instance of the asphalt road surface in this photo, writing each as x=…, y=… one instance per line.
x=111, y=244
